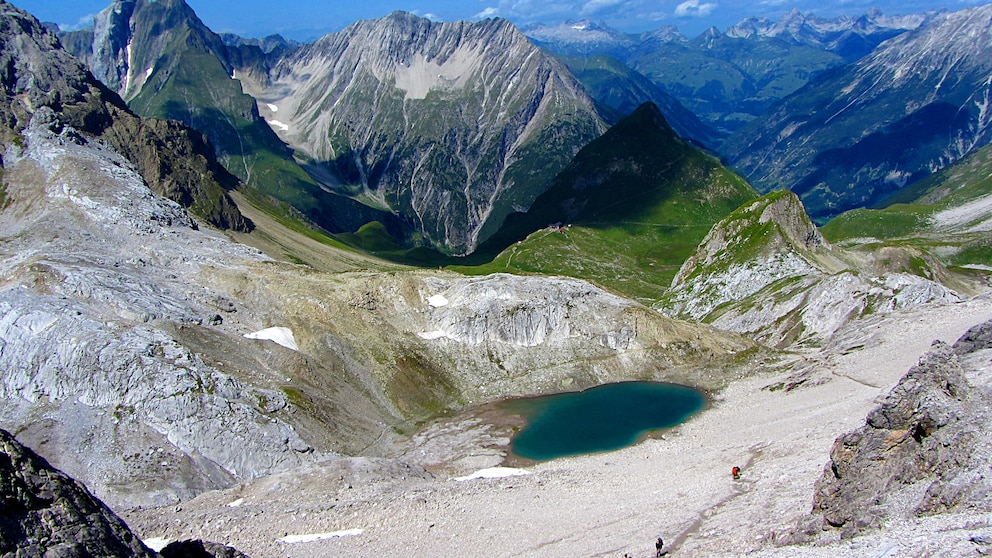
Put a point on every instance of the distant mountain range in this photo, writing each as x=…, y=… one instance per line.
x=730, y=78
x=435, y=133
x=864, y=131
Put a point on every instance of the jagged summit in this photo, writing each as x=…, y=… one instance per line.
x=768, y=226
x=638, y=198
x=38, y=75
x=129, y=37
x=448, y=125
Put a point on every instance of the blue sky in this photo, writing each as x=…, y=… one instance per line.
x=309, y=19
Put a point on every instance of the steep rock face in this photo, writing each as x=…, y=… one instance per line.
x=449, y=125
x=90, y=365
x=165, y=63
x=857, y=135
x=129, y=38
x=924, y=450
x=39, y=76
x=765, y=270
x=46, y=513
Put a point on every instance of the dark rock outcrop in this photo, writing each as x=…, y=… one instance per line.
x=924, y=450
x=44, y=512
x=200, y=549
x=176, y=161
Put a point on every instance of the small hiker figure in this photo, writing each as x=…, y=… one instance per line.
x=736, y=472
x=658, y=552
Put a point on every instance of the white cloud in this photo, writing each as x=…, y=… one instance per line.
x=593, y=6
x=692, y=8
x=526, y=11
x=488, y=12
x=83, y=23
x=429, y=15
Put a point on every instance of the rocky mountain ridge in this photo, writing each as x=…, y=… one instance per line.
x=766, y=271
x=167, y=64
x=406, y=116
x=923, y=451
x=40, y=77
x=902, y=113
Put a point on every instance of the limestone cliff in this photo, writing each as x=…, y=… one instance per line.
x=925, y=449
x=766, y=271
x=38, y=75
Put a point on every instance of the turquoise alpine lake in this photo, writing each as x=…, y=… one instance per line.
x=602, y=418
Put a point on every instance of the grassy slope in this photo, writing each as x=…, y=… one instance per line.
x=636, y=202
x=905, y=218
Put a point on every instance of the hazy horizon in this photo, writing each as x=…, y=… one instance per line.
x=305, y=21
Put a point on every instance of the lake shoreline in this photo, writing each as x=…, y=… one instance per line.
x=677, y=486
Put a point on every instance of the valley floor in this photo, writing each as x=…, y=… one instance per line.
x=778, y=426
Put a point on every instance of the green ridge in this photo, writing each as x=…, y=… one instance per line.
x=633, y=205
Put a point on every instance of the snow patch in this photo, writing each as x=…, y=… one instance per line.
x=148, y=73
x=437, y=301
x=156, y=543
x=293, y=539
x=432, y=335
x=494, y=473
x=420, y=75
x=272, y=107
x=277, y=124
x=974, y=210
x=898, y=177
x=280, y=335
x=236, y=504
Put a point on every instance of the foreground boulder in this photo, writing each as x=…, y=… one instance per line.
x=924, y=450
x=44, y=512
